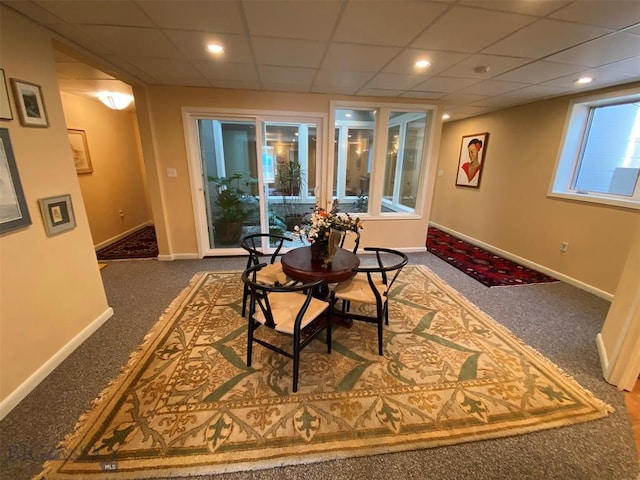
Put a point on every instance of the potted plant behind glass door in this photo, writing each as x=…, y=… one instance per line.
x=290, y=182
x=233, y=205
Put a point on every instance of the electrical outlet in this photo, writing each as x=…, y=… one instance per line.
x=564, y=246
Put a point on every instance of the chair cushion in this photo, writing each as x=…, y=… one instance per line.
x=271, y=274
x=358, y=289
x=285, y=307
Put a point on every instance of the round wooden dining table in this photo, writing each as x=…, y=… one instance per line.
x=297, y=264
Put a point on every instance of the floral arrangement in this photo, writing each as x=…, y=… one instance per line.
x=322, y=221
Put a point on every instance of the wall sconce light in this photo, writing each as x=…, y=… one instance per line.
x=115, y=100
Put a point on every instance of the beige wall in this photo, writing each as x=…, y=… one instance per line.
x=117, y=179
x=50, y=287
x=161, y=127
x=511, y=210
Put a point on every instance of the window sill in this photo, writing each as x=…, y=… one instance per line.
x=595, y=198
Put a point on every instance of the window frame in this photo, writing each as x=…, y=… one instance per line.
x=572, y=148
x=383, y=111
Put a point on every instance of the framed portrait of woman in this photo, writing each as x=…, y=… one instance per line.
x=471, y=161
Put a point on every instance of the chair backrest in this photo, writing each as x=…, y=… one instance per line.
x=350, y=241
x=390, y=264
x=253, y=244
x=260, y=294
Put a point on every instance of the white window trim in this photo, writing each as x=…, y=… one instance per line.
x=566, y=162
x=429, y=151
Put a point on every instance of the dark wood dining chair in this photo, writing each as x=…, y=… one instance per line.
x=371, y=286
x=350, y=241
x=272, y=274
x=288, y=309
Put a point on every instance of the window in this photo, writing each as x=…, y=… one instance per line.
x=378, y=154
x=600, y=157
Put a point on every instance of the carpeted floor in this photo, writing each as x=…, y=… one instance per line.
x=558, y=320
x=187, y=402
x=485, y=267
x=140, y=244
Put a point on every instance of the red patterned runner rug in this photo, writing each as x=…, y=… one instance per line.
x=481, y=265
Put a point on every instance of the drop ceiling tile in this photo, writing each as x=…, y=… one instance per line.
x=98, y=12
x=464, y=29
x=444, y=84
x=241, y=72
x=292, y=19
x=500, y=101
x=160, y=67
x=543, y=38
x=361, y=58
x=378, y=92
x=629, y=66
x=206, y=16
x=337, y=90
x=462, y=98
x=130, y=69
x=496, y=63
x=287, y=76
x=287, y=53
x=193, y=46
x=603, y=77
x=423, y=95
x=539, y=7
x=492, y=87
x=601, y=50
x=440, y=61
x=539, y=71
x=33, y=11
x=603, y=13
x=349, y=81
x=394, y=81
x=131, y=41
x=241, y=84
x=537, y=91
x=183, y=81
x=385, y=23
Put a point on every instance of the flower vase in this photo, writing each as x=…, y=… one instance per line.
x=319, y=250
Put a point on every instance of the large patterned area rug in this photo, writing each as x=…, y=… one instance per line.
x=140, y=244
x=485, y=267
x=187, y=403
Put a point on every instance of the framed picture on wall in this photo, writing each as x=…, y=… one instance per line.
x=80, y=150
x=57, y=214
x=5, y=106
x=471, y=160
x=29, y=103
x=13, y=206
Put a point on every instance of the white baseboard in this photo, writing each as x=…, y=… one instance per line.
x=602, y=352
x=41, y=373
x=179, y=256
x=527, y=263
x=121, y=235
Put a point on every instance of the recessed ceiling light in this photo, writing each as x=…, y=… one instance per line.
x=422, y=63
x=446, y=116
x=481, y=69
x=215, y=48
x=583, y=80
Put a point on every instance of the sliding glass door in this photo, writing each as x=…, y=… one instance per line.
x=254, y=174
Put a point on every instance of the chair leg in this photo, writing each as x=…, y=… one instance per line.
x=249, y=341
x=329, y=329
x=245, y=296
